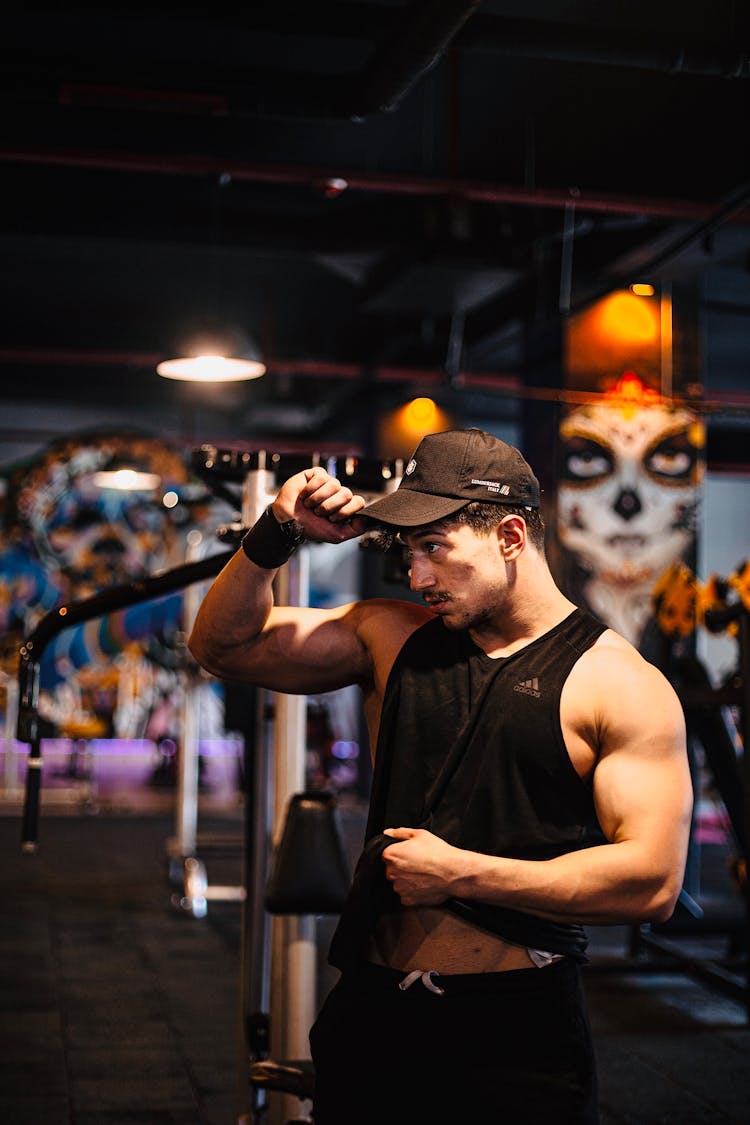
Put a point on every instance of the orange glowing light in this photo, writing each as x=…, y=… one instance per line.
x=619, y=332
x=630, y=395
x=420, y=413
x=627, y=318
x=401, y=430
x=630, y=390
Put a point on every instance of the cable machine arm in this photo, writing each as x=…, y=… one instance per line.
x=64, y=617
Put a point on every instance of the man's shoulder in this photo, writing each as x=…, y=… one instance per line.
x=621, y=671
x=384, y=625
x=616, y=700
x=391, y=613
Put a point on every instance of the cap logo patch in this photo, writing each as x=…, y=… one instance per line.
x=492, y=486
x=410, y=467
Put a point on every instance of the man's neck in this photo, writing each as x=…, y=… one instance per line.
x=534, y=612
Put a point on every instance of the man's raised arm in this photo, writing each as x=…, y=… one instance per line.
x=239, y=634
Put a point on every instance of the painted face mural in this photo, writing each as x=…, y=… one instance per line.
x=69, y=532
x=96, y=536
x=627, y=497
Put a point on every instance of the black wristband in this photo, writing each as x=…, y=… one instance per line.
x=269, y=543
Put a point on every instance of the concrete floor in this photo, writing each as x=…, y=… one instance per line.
x=117, y=1008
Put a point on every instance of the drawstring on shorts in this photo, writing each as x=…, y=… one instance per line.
x=425, y=976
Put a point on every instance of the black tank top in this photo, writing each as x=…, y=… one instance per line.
x=472, y=747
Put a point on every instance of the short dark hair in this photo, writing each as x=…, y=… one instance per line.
x=481, y=517
x=484, y=517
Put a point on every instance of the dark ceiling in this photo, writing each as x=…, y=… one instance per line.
x=387, y=195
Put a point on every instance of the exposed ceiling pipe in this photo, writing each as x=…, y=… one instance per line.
x=421, y=37
x=356, y=180
x=534, y=39
x=416, y=38
x=735, y=203
x=409, y=43
x=507, y=385
x=569, y=43
x=33, y=355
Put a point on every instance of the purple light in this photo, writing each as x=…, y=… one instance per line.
x=345, y=751
x=103, y=747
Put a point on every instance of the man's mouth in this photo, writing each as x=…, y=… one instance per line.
x=435, y=600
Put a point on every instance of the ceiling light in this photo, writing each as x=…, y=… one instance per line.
x=216, y=353
x=640, y=289
x=127, y=480
x=210, y=369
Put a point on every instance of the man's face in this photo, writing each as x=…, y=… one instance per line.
x=458, y=571
x=628, y=490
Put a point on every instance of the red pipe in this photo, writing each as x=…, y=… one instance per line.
x=385, y=183
x=505, y=383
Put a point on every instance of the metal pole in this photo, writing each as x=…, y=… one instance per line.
x=28, y=731
x=255, y=964
x=185, y=844
x=11, y=784
x=293, y=949
x=744, y=651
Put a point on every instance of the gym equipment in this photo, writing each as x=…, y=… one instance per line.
x=311, y=874
x=682, y=604
x=295, y=1079
x=55, y=622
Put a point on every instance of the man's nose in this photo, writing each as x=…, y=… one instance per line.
x=420, y=575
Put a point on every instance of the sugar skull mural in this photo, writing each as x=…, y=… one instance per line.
x=628, y=493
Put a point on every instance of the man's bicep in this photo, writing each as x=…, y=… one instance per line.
x=300, y=651
x=311, y=650
x=642, y=785
x=641, y=798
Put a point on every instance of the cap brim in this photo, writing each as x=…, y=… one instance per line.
x=407, y=508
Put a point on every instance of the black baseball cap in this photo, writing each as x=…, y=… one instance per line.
x=451, y=469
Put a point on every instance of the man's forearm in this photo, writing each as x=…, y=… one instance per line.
x=607, y=885
x=625, y=881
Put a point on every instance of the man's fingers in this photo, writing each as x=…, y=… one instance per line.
x=317, y=491
x=349, y=509
x=328, y=498
x=321, y=504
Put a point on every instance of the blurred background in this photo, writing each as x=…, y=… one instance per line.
x=400, y=217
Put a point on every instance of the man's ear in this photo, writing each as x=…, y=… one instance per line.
x=511, y=533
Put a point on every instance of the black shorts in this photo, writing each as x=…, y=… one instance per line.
x=511, y=1048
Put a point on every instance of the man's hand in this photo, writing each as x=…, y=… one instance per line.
x=421, y=866
x=321, y=505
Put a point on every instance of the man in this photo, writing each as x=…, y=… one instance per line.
x=530, y=777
